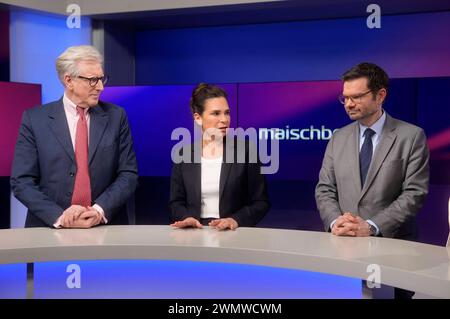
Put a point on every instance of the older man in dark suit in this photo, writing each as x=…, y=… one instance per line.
x=74, y=164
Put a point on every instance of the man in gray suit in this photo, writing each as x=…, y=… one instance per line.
x=374, y=177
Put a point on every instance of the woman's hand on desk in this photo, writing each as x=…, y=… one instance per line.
x=187, y=222
x=224, y=223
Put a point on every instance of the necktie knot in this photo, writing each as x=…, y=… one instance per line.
x=369, y=133
x=80, y=111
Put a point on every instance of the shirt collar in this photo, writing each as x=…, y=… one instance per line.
x=377, y=127
x=71, y=107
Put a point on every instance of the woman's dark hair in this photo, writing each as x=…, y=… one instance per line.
x=201, y=93
x=377, y=78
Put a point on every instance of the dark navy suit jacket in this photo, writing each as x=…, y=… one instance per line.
x=44, y=167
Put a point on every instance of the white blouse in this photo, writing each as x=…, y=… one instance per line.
x=210, y=186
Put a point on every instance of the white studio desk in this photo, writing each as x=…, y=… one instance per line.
x=414, y=266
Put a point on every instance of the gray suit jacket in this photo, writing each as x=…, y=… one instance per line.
x=396, y=183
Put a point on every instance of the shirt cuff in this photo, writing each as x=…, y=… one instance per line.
x=101, y=211
x=58, y=222
x=332, y=224
x=374, y=225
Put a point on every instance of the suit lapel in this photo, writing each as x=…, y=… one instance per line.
x=225, y=168
x=196, y=173
x=224, y=173
x=60, y=128
x=197, y=182
x=388, y=137
x=354, y=154
x=97, y=126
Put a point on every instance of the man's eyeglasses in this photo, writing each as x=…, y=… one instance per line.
x=355, y=98
x=94, y=80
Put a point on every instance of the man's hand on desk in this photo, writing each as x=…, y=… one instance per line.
x=77, y=216
x=350, y=225
x=69, y=216
x=91, y=217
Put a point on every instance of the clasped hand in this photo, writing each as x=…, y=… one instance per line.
x=77, y=216
x=350, y=225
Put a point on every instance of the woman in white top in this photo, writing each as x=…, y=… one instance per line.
x=209, y=190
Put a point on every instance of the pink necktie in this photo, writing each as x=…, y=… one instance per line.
x=82, y=188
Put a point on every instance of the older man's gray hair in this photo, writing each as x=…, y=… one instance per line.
x=67, y=62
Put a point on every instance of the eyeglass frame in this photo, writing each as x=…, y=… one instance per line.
x=342, y=99
x=95, y=79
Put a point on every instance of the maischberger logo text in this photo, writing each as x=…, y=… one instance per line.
x=288, y=133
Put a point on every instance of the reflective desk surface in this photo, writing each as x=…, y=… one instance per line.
x=414, y=266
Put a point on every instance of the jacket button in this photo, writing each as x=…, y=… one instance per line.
x=72, y=174
x=69, y=193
